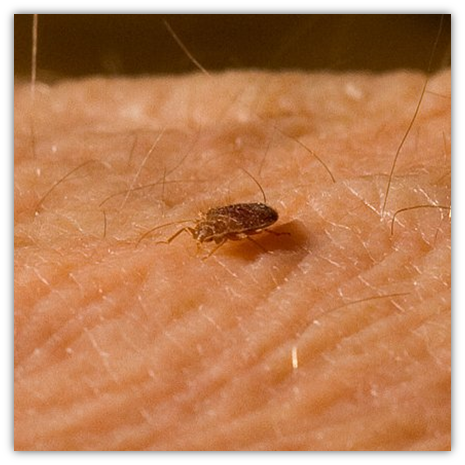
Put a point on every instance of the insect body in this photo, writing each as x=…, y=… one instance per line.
x=231, y=222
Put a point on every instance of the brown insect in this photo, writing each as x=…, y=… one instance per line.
x=231, y=222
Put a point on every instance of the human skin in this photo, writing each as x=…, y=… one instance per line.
x=333, y=337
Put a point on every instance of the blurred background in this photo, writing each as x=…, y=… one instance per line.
x=81, y=45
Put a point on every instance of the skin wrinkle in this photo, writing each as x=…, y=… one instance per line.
x=80, y=302
x=258, y=323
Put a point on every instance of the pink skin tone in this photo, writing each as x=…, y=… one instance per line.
x=335, y=337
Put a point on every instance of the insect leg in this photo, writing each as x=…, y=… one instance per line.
x=277, y=233
x=215, y=249
x=176, y=234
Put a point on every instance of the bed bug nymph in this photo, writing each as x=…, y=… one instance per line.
x=231, y=222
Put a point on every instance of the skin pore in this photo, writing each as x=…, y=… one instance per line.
x=336, y=338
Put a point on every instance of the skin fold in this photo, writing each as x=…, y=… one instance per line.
x=333, y=337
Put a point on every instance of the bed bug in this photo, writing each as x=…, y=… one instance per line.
x=230, y=222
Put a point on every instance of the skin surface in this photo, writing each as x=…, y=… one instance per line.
x=336, y=338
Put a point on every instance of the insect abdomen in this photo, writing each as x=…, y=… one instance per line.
x=235, y=219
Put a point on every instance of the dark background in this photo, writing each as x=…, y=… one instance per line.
x=79, y=45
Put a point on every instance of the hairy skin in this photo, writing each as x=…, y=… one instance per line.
x=336, y=338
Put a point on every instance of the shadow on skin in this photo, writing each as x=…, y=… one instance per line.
x=291, y=237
